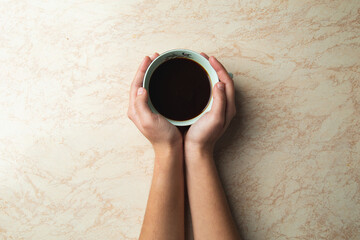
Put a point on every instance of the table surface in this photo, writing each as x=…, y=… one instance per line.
x=73, y=166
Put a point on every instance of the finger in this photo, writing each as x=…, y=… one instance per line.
x=229, y=89
x=220, y=70
x=139, y=76
x=219, y=104
x=155, y=55
x=142, y=108
x=204, y=55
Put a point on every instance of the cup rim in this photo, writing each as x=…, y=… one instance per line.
x=213, y=79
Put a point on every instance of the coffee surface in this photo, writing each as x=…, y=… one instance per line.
x=179, y=89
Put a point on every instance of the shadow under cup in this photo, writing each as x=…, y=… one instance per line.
x=179, y=83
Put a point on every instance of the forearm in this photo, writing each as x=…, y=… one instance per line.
x=164, y=217
x=210, y=211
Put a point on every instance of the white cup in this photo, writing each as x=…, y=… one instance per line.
x=181, y=53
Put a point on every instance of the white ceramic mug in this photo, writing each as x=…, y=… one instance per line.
x=181, y=53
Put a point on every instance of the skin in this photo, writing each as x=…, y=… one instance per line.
x=164, y=216
x=211, y=216
x=192, y=150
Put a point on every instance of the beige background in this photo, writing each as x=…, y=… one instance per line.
x=72, y=166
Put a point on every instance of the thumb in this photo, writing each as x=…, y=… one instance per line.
x=219, y=103
x=141, y=106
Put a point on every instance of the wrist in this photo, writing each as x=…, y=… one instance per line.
x=198, y=152
x=168, y=155
x=165, y=150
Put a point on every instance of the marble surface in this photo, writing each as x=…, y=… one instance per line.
x=72, y=166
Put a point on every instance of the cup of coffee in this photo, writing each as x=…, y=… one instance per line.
x=180, y=83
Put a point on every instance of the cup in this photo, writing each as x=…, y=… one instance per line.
x=188, y=54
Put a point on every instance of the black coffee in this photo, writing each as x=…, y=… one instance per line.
x=179, y=89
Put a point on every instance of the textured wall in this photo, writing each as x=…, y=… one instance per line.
x=72, y=166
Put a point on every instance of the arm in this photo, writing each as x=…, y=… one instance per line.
x=164, y=216
x=210, y=211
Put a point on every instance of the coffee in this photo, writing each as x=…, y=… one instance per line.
x=180, y=89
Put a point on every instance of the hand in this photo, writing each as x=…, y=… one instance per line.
x=154, y=127
x=203, y=134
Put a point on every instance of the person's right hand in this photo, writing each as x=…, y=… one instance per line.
x=162, y=134
x=203, y=134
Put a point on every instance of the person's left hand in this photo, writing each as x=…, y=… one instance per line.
x=154, y=127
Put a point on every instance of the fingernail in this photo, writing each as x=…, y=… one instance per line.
x=221, y=86
x=140, y=91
